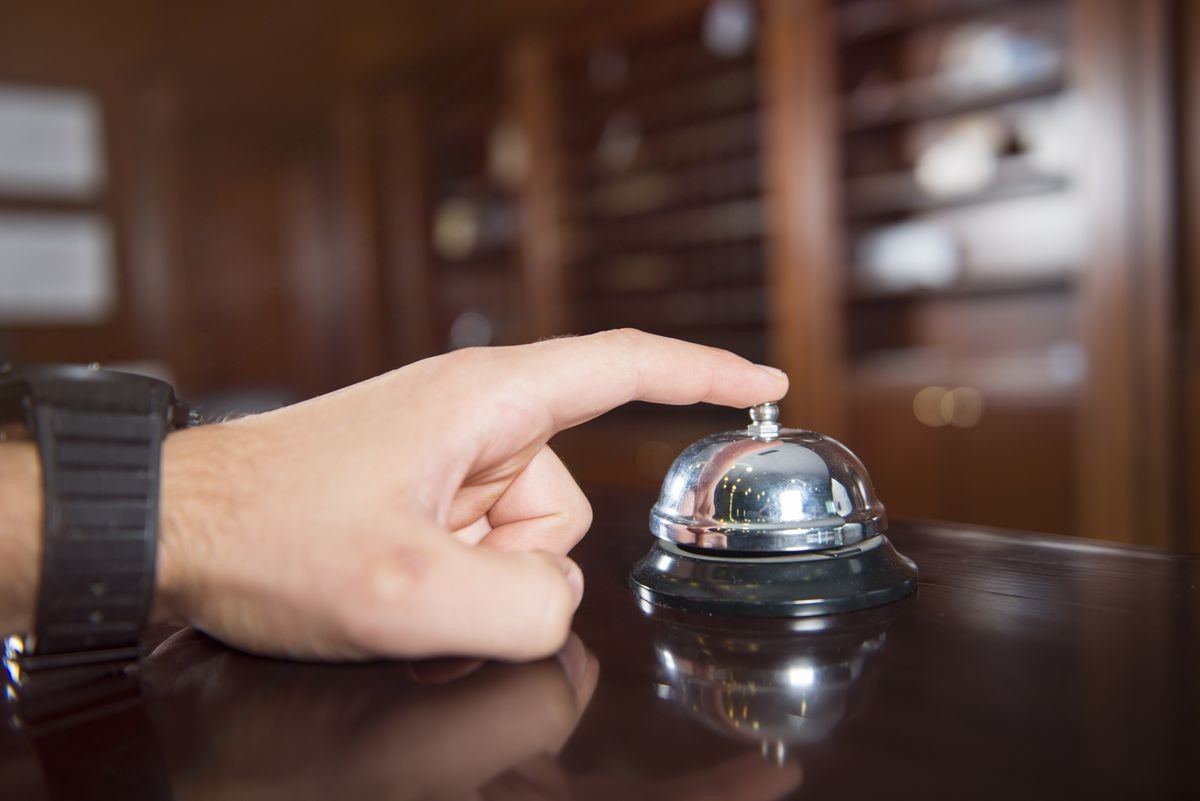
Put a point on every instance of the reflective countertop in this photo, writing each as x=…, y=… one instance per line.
x=1024, y=666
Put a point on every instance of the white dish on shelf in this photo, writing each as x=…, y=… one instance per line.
x=909, y=255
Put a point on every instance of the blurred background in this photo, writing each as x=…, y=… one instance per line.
x=966, y=228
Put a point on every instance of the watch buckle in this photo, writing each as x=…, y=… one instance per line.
x=20, y=662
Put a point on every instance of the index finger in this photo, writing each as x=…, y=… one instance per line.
x=575, y=379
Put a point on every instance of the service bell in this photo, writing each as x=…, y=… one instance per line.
x=770, y=521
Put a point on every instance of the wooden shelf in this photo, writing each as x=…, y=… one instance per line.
x=1028, y=376
x=655, y=68
x=921, y=102
x=670, y=238
x=1059, y=281
x=654, y=191
x=900, y=22
x=703, y=310
x=729, y=222
x=492, y=262
x=895, y=194
x=735, y=90
x=659, y=269
x=720, y=137
x=22, y=204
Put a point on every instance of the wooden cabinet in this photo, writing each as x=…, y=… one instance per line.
x=1008, y=461
x=938, y=226
x=664, y=207
x=962, y=246
x=992, y=236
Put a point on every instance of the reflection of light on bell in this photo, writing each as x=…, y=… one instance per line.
x=770, y=521
x=801, y=676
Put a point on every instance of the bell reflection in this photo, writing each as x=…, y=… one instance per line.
x=780, y=683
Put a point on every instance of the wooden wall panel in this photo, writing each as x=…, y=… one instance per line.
x=250, y=268
x=356, y=310
x=400, y=191
x=153, y=198
x=278, y=270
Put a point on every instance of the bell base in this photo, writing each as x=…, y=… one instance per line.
x=869, y=574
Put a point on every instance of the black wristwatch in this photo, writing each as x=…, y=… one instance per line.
x=99, y=434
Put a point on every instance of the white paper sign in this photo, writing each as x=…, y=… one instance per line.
x=50, y=143
x=55, y=269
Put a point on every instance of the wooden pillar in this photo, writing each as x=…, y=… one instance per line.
x=1125, y=485
x=1189, y=106
x=539, y=198
x=800, y=158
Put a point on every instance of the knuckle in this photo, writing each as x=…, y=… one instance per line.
x=379, y=596
x=467, y=357
x=625, y=336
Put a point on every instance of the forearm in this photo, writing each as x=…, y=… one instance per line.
x=20, y=534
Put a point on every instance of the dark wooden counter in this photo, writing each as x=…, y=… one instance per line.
x=1024, y=667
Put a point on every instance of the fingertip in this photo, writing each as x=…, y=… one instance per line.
x=595, y=373
x=778, y=378
x=774, y=372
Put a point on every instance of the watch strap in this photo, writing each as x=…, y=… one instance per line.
x=100, y=477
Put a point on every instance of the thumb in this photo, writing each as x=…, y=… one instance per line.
x=480, y=601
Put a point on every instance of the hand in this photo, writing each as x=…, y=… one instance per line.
x=419, y=513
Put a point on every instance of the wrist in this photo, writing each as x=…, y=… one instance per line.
x=194, y=500
x=189, y=492
x=20, y=534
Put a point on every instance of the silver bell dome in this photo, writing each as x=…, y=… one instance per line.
x=767, y=489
